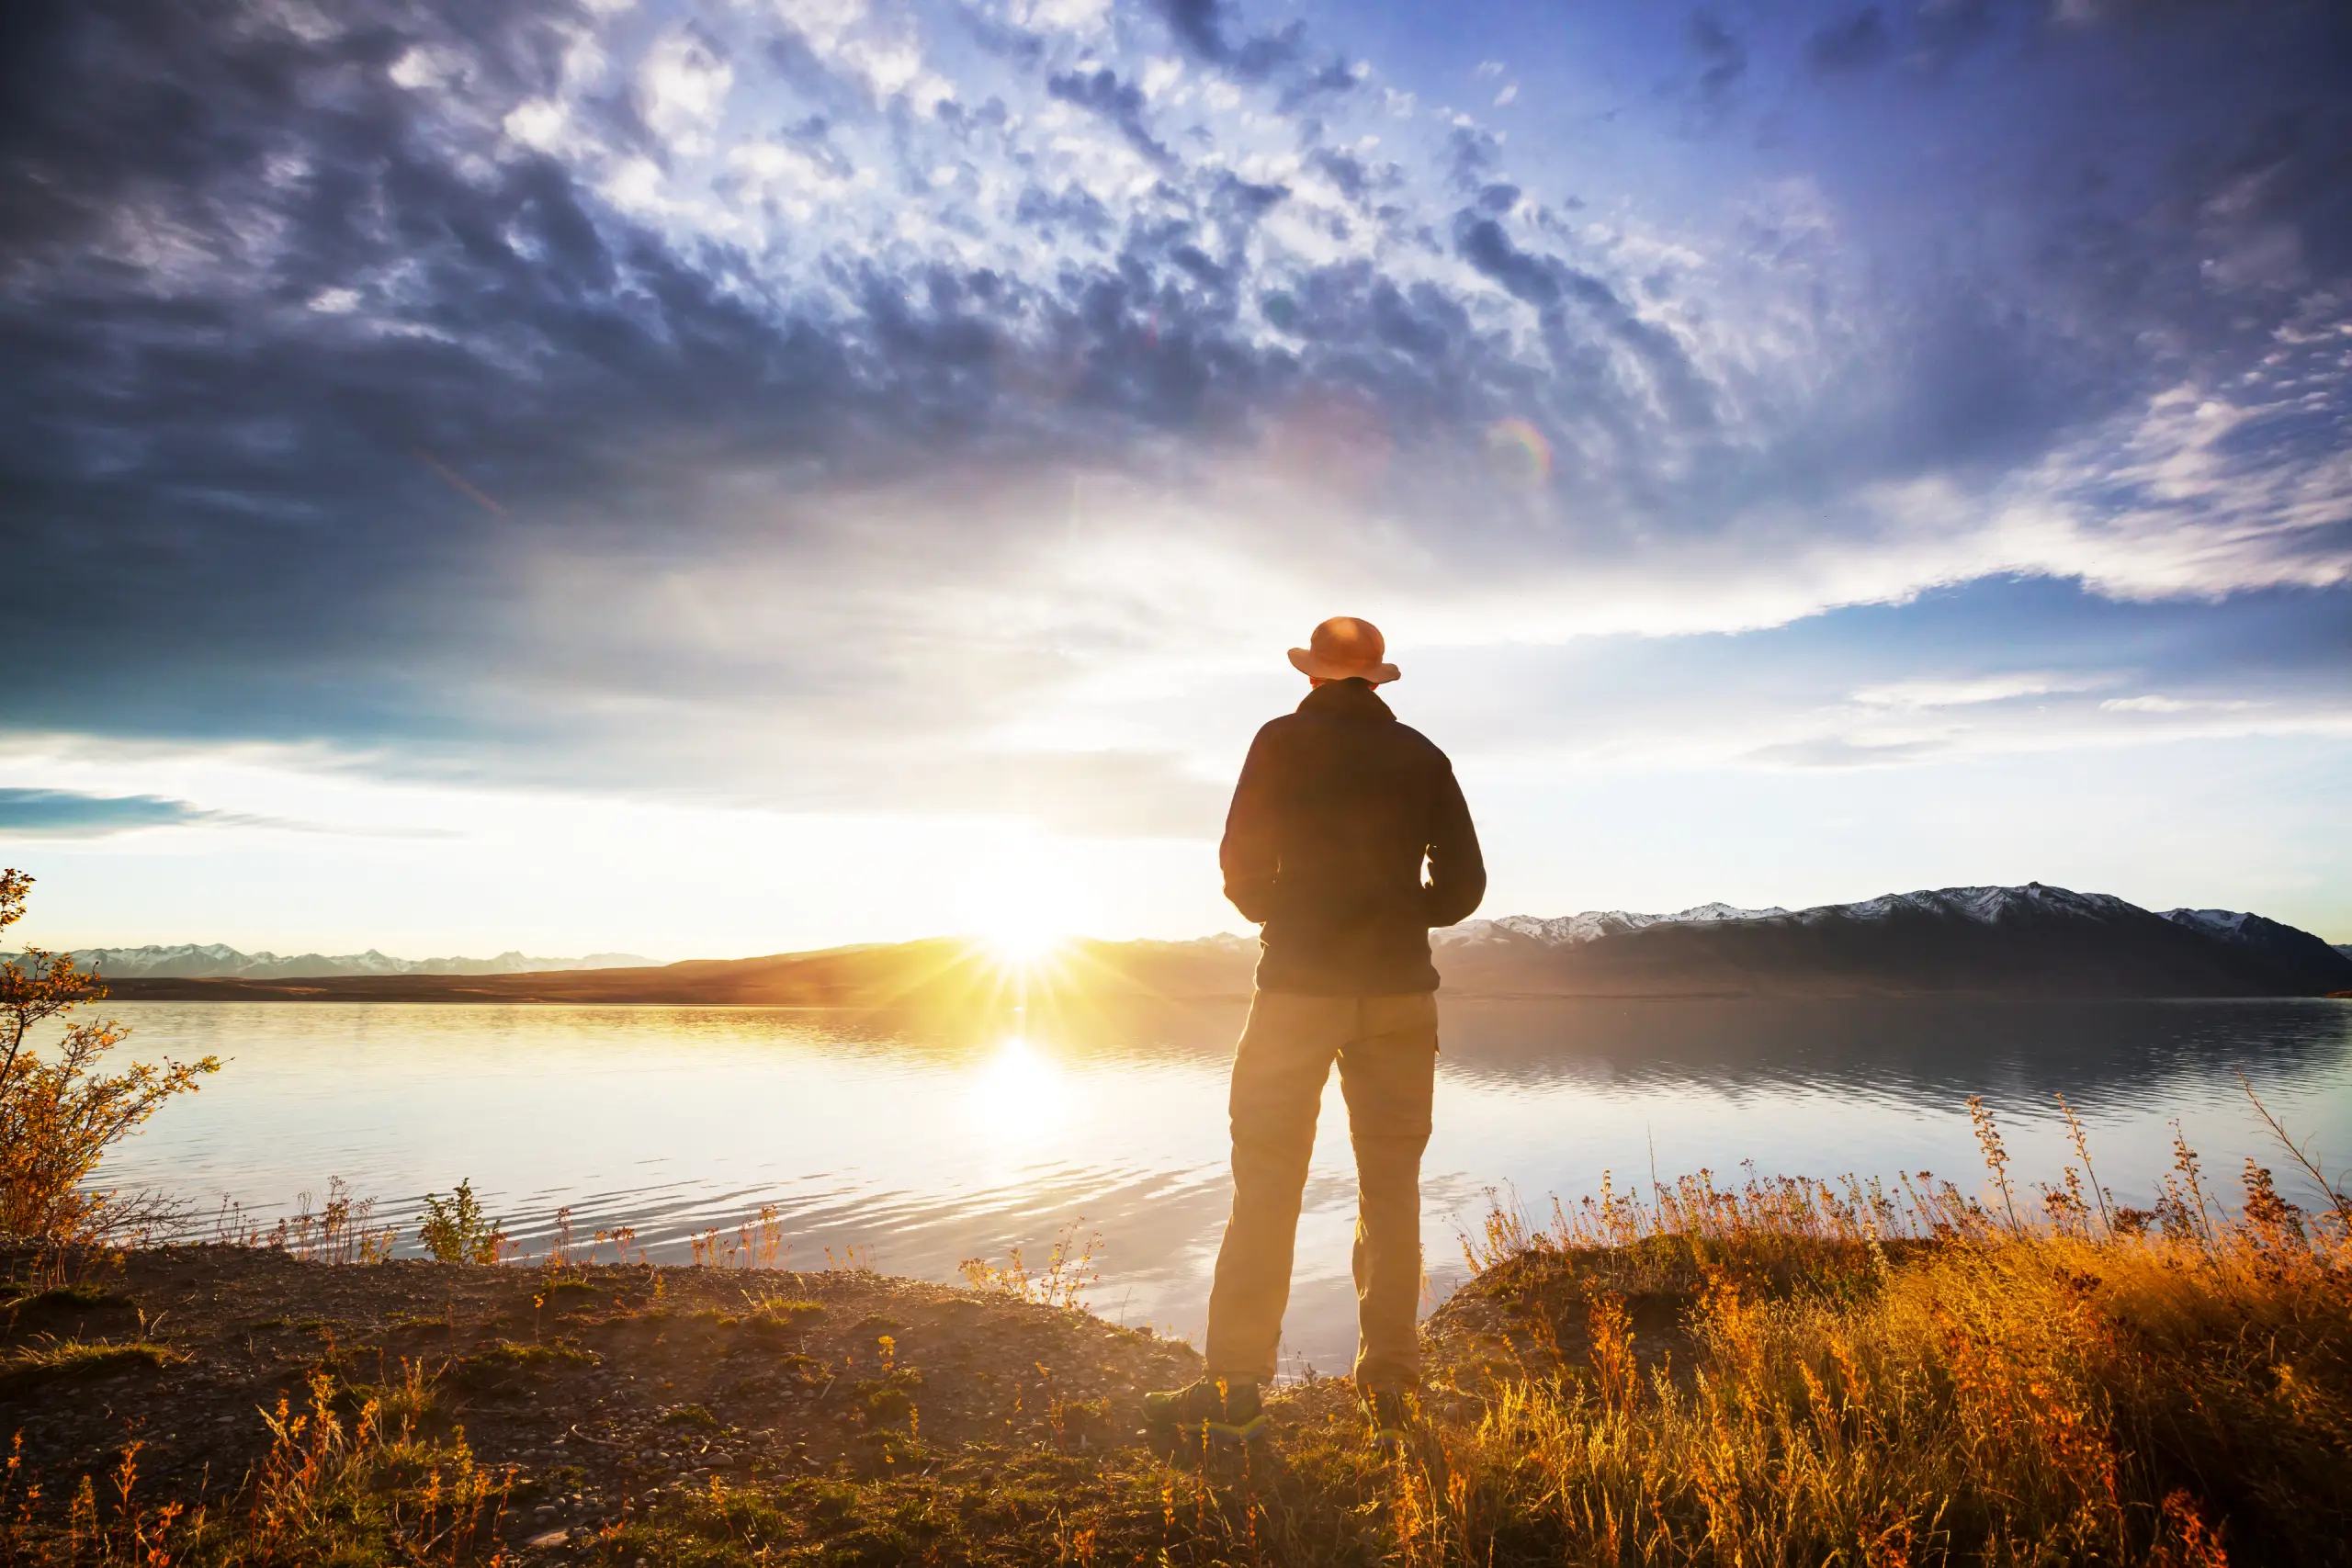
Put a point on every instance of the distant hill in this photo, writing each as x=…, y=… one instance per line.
x=189, y=961
x=2033, y=940
x=936, y=970
x=2030, y=941
x=2297, y=956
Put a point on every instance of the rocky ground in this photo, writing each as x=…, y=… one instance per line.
x=603, y=1388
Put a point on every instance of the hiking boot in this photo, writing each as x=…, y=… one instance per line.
x=1227, y=1412
x=1391, y=1416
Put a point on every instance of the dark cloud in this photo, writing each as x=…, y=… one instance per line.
x=1344, y=169
x=1121, y=103
x=1475, y=155
x=1725, y=55
x=1933, y=39
x=1335, y=77
x=1203, y=26
x=1852, y=41
x=57, y=813
x=1572, y=302
x=309, y=373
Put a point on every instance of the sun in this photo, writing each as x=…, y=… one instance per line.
x=1020, y=921
x=1019, y=945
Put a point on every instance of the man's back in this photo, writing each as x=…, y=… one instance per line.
x=1337, y=807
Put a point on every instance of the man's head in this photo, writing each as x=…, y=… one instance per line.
x=1344, y=647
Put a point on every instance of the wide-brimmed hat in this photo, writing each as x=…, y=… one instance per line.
x=1344, y=647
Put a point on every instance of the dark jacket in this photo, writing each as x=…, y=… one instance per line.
x=1338, y=806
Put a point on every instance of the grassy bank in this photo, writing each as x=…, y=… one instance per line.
x=1784, y=1373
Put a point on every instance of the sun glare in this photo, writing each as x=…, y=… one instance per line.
x=1018, y=1087
x=1023, y=947
x=1021, y=934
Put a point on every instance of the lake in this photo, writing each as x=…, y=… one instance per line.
x=920, y=1143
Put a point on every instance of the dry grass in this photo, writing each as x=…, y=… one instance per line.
x=1879, y=1377
x=351, y=1479
x=1068, y=1271
x=53, y=1361
x=1992, y=1398
x=1778, y=1373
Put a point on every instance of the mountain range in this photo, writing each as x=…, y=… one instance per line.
x=211, y=961
x=2030, y=941
x=2034, y=941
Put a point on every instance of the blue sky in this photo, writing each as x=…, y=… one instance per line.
x=717, y=478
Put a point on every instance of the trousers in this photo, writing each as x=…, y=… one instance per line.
x=1386, y=1052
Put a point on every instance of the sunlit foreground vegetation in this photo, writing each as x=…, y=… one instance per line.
x=1784, y=1372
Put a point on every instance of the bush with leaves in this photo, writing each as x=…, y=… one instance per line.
x=61, y=1110
x=456, y=1231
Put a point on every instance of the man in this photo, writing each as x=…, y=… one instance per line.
x=1337, y=808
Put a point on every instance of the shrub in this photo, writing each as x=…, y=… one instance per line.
x=61, y=1110
x=456, y=1231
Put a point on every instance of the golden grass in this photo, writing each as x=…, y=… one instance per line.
x=350, y=1479
x=1881, y=1377
x=52, y=1360
x=1782, y=1372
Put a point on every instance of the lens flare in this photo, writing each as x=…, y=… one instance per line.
x=1519, y=452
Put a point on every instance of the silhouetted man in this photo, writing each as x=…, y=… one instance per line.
x=1338, y=809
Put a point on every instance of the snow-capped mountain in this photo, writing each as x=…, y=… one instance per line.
x=211, y=960
x=1981, y=906
x=2034, y=941
x=1594, y=924
x=2035, y=938
x=2275, y=943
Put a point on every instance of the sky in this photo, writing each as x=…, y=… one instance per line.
x=711, y=479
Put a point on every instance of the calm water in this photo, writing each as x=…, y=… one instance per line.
x=923, y=1144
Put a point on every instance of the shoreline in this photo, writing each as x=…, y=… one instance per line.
x=330, y=989
x=1772, y=1373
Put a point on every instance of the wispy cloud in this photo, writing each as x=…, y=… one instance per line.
x=1975, y=689
x=2162, y=704
x=54, y=813
x=34, y=813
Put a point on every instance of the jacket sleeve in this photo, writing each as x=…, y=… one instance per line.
x=1457, y=871
x=1250, y=855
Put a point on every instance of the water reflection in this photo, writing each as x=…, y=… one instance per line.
x=2018, y=1053
x=931, y=1140
x=1017, y=1089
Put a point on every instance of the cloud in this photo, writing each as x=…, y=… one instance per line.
x=1121, y=103
x=1202, y=27
x=1857, y=39
x=522, y=392
x=66, y=814
x=81, y=814
x=1725, y=55
x=1970, y=693
x=2162, y=704
x=1836, y=751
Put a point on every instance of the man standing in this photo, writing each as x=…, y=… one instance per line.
x=1338, y=810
